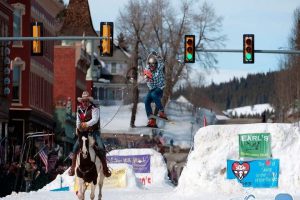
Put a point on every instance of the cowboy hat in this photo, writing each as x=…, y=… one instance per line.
x=85, y=96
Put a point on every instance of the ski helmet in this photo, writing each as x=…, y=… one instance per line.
x=152, y=62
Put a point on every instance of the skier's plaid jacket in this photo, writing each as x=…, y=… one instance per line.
x=158, y=77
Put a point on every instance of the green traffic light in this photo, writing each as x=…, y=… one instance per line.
x=189, y=56
x=248, y=56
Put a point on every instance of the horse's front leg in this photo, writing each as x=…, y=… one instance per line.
x=100, y=184
x=93, y=187
x=85, y=185
x=81, y=191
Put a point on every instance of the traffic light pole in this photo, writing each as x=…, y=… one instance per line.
x=53, y=38
x=98, y=38
x=79, y=38
x=255, y=51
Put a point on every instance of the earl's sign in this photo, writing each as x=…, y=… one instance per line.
x=255, y=145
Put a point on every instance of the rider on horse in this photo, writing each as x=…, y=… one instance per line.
x=87, y=120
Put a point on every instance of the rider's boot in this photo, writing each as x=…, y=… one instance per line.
x=102, y=156
x=71, y=172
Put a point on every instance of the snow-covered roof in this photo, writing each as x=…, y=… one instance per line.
x=182, y=99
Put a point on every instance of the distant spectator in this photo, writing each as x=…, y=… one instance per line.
x=171, y=145
x=264, y=117
x=30, y=169
x=9, y=179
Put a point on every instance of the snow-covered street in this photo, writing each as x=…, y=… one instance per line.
x=202, y=177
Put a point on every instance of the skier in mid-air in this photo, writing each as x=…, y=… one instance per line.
x=155, y=78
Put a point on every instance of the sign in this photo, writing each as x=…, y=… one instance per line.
x=140, y=163
x=67, y=188
x=255, y=145
x=117, y=179
x=255, y=173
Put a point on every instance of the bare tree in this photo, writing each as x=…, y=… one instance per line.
x=132, y=24
x=162, y=28
x=168, y=30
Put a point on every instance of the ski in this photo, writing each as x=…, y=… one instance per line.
x=159, y=118
x=147, y=127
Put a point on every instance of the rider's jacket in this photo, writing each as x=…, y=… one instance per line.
x=85, y=115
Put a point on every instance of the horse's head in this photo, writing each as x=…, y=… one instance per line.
x=83, y=143
x=86, y=140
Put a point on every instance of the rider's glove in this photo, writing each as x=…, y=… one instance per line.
x=83, y=125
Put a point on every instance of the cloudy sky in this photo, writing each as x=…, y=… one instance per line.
x=270, y=20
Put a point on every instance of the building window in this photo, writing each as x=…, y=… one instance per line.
x=110, y=94
x=113, y=68
x=16, y=84
x=119, y=95
x=19, y=11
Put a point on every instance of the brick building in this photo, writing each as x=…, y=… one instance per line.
x=72, y=74
x=6, y=14
x=32, y=86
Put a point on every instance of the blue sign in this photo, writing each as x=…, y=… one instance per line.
x=61, y=189
x=140, y=163
x=255, y=173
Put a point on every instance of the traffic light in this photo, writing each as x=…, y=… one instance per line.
x=106, y=40
x=189, y=48
x=248, y=48
x=37, y=45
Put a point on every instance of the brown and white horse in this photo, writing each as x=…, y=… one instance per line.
x=88, y=168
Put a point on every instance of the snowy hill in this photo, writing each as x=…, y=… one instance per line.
x=257, y=109
x=215, y=144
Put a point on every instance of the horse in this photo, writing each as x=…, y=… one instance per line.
x=89, y=168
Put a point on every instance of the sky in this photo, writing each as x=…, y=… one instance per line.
x=202, y=176
x=270, y=20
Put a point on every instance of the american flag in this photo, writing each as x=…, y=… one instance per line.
x=44, y=158
x=52, y=159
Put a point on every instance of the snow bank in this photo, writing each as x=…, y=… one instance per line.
x=158, y=175
x=61, y=180
x=205, y=169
